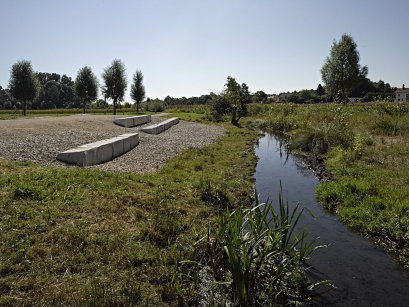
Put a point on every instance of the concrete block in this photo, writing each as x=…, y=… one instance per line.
x=156, y=129
x=130, y=140
x=101, y=151
x=142, y=119
x=132, y=121
x=124, y=121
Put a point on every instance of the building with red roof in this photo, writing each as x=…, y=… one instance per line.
x=402, y=94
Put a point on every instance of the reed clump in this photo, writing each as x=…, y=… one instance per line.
x=255, y=257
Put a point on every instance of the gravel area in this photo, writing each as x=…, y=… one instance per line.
x=39, y=140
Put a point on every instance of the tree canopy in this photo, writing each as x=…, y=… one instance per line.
x=23, y=84
x=341, y=71
x=115, y=82
x=137, y=89
x=86, y=86
x=260, y=97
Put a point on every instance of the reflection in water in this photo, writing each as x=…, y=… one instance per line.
x=363, y=274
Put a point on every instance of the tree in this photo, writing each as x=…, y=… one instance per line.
x=341, y=70
x=260, y=97
x=23, y=84
x=238, y=97
x=137, y=89
x=115, y=82
x=320, y=90
x=86, y=86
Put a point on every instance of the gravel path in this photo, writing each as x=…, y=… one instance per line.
x=39, y=140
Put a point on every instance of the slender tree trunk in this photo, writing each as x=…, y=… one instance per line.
x=137, y=108
x=114, y=107
x=83, y=111
x=233, y=115
x=25, y=108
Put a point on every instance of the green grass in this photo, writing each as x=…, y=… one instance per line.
x=11, y=114
x=86, y=237
x=187, y=116
x=367, y=151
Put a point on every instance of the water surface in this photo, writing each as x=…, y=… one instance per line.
x=364, y=274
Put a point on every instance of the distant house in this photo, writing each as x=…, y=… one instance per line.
x=272, y=98
x=354, y=99
x=283, y=96
x=402, y=94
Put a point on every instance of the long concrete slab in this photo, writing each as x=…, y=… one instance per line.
x=158, y=128
x=133, y=121
x=101, y=151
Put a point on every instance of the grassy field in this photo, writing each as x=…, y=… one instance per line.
x=367, y=151
x=92, y=238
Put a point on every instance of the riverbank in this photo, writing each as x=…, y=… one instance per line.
x=366, y=149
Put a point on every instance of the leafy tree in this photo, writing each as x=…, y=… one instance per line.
x=5, y=101
x=137, y=89
x=341, y=70
x=66, y=81
x=115, y=82
x=238, y=97
x=23, y=84
x=259, y=97
x=100, y=104
x=86, y=86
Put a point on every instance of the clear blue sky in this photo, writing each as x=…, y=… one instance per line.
x=189, y=47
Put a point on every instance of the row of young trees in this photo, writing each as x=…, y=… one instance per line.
x=45, y=90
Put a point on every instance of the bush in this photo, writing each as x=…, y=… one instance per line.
x=220, y=106
x=154, y=105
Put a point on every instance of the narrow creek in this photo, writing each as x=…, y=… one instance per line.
x=364, y=275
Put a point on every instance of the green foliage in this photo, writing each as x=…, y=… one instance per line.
x=86, y=86
x=155, y=105
x=257, y=255
x=376, y=96
x=341, y=71
x=115, y=82
x=137, y=89
x=234, y=99
x=239, y=97
x=320, y=90
x=305, y=96
x=220, y=107
x=23, y=83
x=56, y=92
x=259, y=97
x=183, y=101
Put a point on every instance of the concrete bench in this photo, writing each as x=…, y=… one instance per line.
x=132, y=121
x=158, y=128
x=101, y=151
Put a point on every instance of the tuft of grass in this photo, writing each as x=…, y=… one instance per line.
x=255, y=256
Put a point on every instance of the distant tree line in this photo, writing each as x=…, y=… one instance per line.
x=366, y=90
x=204, y=99
x=41, y=90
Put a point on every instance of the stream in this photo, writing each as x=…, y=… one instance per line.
x=363, y=274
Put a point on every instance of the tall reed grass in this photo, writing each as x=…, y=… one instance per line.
x=256, y=256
